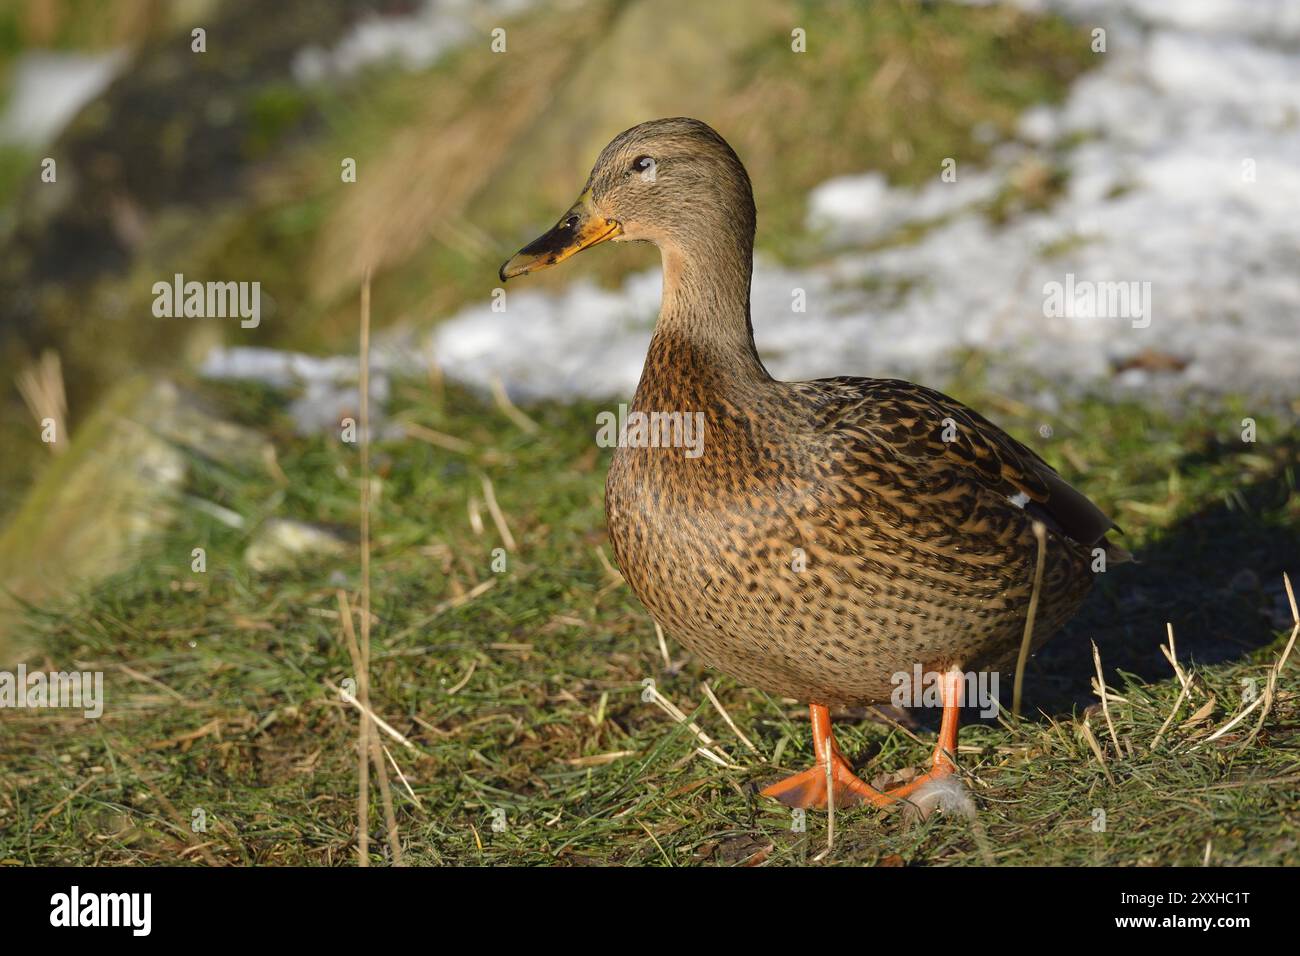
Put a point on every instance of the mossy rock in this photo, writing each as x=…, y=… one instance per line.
x=99, y=506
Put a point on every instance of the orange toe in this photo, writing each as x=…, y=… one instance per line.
x=808, y=789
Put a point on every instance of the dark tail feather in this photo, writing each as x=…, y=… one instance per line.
x=1115, y=554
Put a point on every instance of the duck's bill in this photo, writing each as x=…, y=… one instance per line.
x=579, y=228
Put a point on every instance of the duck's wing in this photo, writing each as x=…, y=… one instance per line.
x=930, y=430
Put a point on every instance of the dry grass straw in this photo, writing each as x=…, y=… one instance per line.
x=439, y=439
x=368, y=747
x=1040, y=532
x=402, y=777
x=498, y=516
x=1275, y=672
x=1268, y=698
x=368, y=740
x=366, y=709
x=663, y=643
x=476, y=591
x=709, y=748
x=1103, y=694
x=1085, y=730
x=41, y=385
x=510, y=409
x=717, y=705
x=1182, y=695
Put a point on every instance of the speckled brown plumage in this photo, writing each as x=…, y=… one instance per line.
x=912, y=551
x=911, y=546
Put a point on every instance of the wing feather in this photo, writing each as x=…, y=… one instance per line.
x=932, y=430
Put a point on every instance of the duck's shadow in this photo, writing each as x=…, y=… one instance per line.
x=1215, y=575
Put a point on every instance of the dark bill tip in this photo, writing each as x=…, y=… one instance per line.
x=578, y=230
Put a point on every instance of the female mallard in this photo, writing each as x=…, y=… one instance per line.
x=833, y=534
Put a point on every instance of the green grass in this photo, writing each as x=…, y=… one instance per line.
x=218, y=696
x=527, y=699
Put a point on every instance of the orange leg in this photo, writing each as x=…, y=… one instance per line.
x=808, y=789
x=945, y=750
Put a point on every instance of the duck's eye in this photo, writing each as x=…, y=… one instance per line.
x=643, y=164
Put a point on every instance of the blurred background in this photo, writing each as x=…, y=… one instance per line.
x=227, y=164
x=923, y=171
x=1162, y=150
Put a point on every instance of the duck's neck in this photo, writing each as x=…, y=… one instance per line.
x=704, y=334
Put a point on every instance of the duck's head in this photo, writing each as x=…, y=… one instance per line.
x=674, y=182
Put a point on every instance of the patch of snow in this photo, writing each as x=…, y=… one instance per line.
x=413, y=40
x=49, y=89
x=1182, y=150
x=604, y=335
x=326, y=389
x=863, y=208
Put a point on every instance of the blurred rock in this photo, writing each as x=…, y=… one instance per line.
x=100, y=505
x=280, y=544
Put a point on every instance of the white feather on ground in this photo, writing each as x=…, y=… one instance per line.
x=945, y=795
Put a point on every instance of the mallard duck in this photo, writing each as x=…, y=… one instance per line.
x=832, y=534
